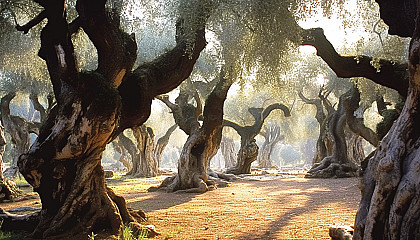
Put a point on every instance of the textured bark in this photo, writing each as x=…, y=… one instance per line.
x=337, y=164
x=162, y=142
x=249, y=149
x=389, y=208
x=63, y=165
x=19, y=130
x=345, y=158
x=324, y=143
x=389, y=116
x=202, y=144
x=228, y=151
x=146, y=164
x=272, y=137
x=355, y=149
x=185, y=114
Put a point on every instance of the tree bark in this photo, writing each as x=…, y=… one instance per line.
x=324, y=143
x=272, y=136
x=389, y=208
x=146, y=164
x=249, y=149
x=202, y=144
x=63, y=165
x=390, y=74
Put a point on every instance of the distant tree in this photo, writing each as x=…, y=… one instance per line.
x=272, y=137
x=145, y=165
x=162, y=142
x=227, y=147
x=324, y=142
x=19, y=130
x=249, y=149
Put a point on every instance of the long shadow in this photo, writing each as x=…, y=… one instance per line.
x=158, y=200
x=321, y=197
x=150, y=201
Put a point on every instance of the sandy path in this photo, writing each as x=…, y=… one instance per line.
x=292, y=208
x=289, y=208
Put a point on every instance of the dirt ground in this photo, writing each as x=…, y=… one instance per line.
x=258, y=207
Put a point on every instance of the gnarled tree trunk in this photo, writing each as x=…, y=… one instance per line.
x=127, y=150
x=146, y=164
x=324, y=143
x=389, y=208
x=202, y=144
x=64, y=163
x=249, y=149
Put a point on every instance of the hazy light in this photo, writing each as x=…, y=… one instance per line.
x=321, y=80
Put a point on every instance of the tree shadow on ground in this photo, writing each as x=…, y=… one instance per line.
x=319, y=197
x=151, y=201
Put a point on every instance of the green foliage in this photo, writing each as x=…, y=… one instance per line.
x=92, y=236
x=129, y=235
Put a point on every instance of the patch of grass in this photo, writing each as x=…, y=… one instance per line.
x=10, y=236
x=92, y=236
x=129, y=235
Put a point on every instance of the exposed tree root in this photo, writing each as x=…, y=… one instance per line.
x=330, y=168
x=8, y=190
x=214, y=180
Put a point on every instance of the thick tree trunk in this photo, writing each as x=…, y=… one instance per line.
x=146, y=164
x=324, y=143
x=228, y=151
x=338, y=164
x=201, y=145
x=64, y=163
x=246, y=156
x=271, y=136
x=162, y=142
x=389, y=208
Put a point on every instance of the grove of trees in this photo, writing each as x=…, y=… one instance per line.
x=91, y=70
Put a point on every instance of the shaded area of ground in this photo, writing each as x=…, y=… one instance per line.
x=257, y=207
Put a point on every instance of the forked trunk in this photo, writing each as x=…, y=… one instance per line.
x=337, y=164
x=271, y=136
x=201, y=145
x=249, y=149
